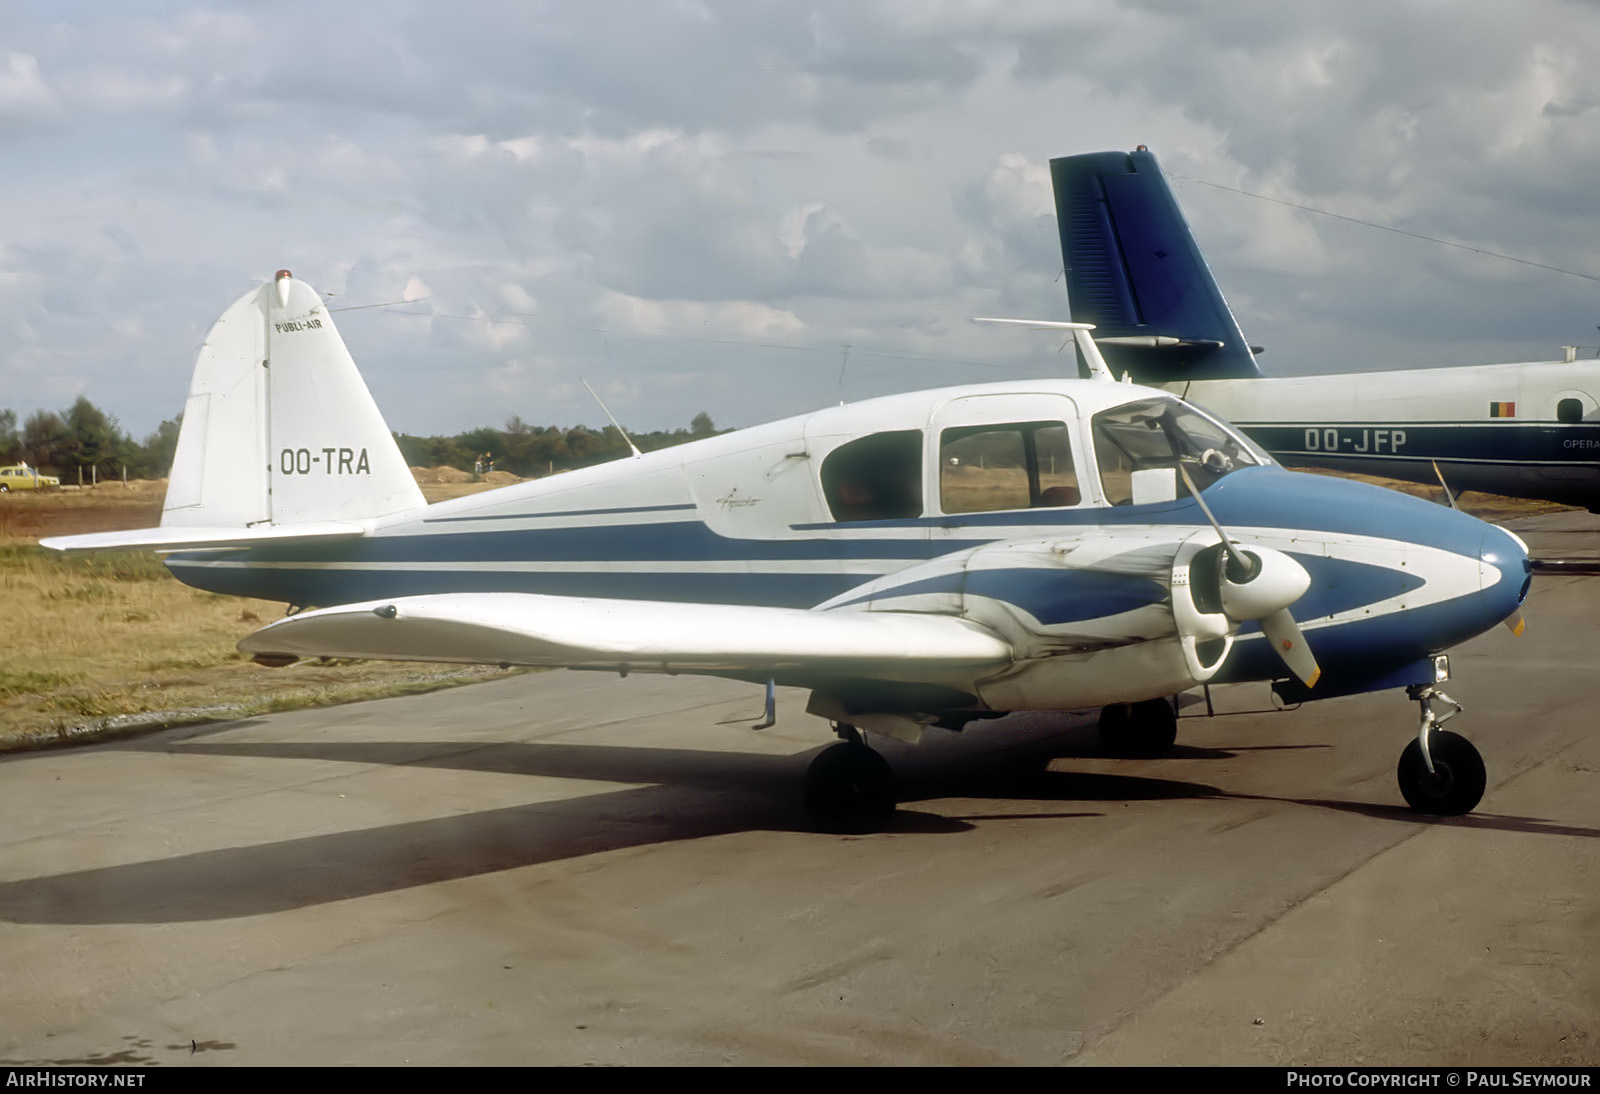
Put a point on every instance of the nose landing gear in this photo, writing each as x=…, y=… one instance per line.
x=1440, y=772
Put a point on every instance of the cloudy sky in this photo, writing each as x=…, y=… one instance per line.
x=756, y=209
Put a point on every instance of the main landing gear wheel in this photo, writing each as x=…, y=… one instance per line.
x=1456, y=784
x=849, y=789
x=1138, y=729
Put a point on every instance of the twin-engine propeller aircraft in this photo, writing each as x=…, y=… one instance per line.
x=921, y=559
x=1134, y=270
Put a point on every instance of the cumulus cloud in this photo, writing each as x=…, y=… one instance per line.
x=23, y=93
x=703, y=203
x=745, y=318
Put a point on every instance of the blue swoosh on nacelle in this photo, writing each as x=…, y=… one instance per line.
x=1050, y=596
x=1071, y=596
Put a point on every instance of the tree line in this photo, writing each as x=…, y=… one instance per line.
x=85, y=439
x=531, y=451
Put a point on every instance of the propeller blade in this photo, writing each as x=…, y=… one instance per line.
x=1287, y=641
x=1243, y=567
x=1515, y=623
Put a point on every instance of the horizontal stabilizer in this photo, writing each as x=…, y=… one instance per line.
x=182, y=538
x=583, y=632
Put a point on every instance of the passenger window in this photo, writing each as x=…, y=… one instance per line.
x=878, y=477
x=1569, y=410
x=1026, y=465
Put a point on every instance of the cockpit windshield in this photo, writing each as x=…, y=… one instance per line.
x=1154, y=433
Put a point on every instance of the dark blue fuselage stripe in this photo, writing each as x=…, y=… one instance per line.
x=661, y=541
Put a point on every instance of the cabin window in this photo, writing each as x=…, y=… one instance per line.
x=1569, y=410
x=878, y=477
x=1023, y=465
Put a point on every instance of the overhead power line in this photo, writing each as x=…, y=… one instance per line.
x=1391, y=228
x=677, y=334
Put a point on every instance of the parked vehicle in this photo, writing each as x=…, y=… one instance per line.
x=19, y=476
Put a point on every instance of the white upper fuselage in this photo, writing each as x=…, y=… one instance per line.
x=703, y=521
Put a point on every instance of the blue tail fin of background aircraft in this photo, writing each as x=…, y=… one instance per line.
x=1133, y=269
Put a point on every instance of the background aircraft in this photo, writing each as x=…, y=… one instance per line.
x=918, y=559
x=1134, y=270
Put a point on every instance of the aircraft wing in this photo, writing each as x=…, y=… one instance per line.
x=584, y=632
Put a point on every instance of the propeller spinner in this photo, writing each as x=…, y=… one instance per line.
x=1260, y=584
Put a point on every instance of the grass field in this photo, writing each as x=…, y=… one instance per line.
x=101, y=644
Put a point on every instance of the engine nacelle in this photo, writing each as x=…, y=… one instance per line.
x=1094, y=619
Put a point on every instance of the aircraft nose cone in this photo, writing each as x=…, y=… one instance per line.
x=1504, y=571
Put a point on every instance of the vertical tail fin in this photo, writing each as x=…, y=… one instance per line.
x=279, y=427
x=1134, y=270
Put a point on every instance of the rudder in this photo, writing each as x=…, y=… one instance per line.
x=279, y=428
x=1134, y=270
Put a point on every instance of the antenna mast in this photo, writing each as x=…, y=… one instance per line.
x=631, y=447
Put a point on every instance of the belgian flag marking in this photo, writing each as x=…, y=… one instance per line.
x=1502, y=410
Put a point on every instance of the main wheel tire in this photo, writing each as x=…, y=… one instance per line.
x=1149, y=728
x=849, y=789
x=5, y=488
x=1458, y=779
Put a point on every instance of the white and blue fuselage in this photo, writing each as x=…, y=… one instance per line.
x=774, y=516
x=912, y=560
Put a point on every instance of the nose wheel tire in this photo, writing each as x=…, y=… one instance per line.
x=1149, y=728
x=1456, y=784
x=849, y=790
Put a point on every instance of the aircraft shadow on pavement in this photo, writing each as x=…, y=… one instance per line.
x=1495, y=822
x=688, y=794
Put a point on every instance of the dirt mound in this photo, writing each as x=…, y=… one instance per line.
x=143, y=488
x=451, y=476
x=431, y=475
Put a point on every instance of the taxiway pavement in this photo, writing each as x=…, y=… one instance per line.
x=568, y=868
